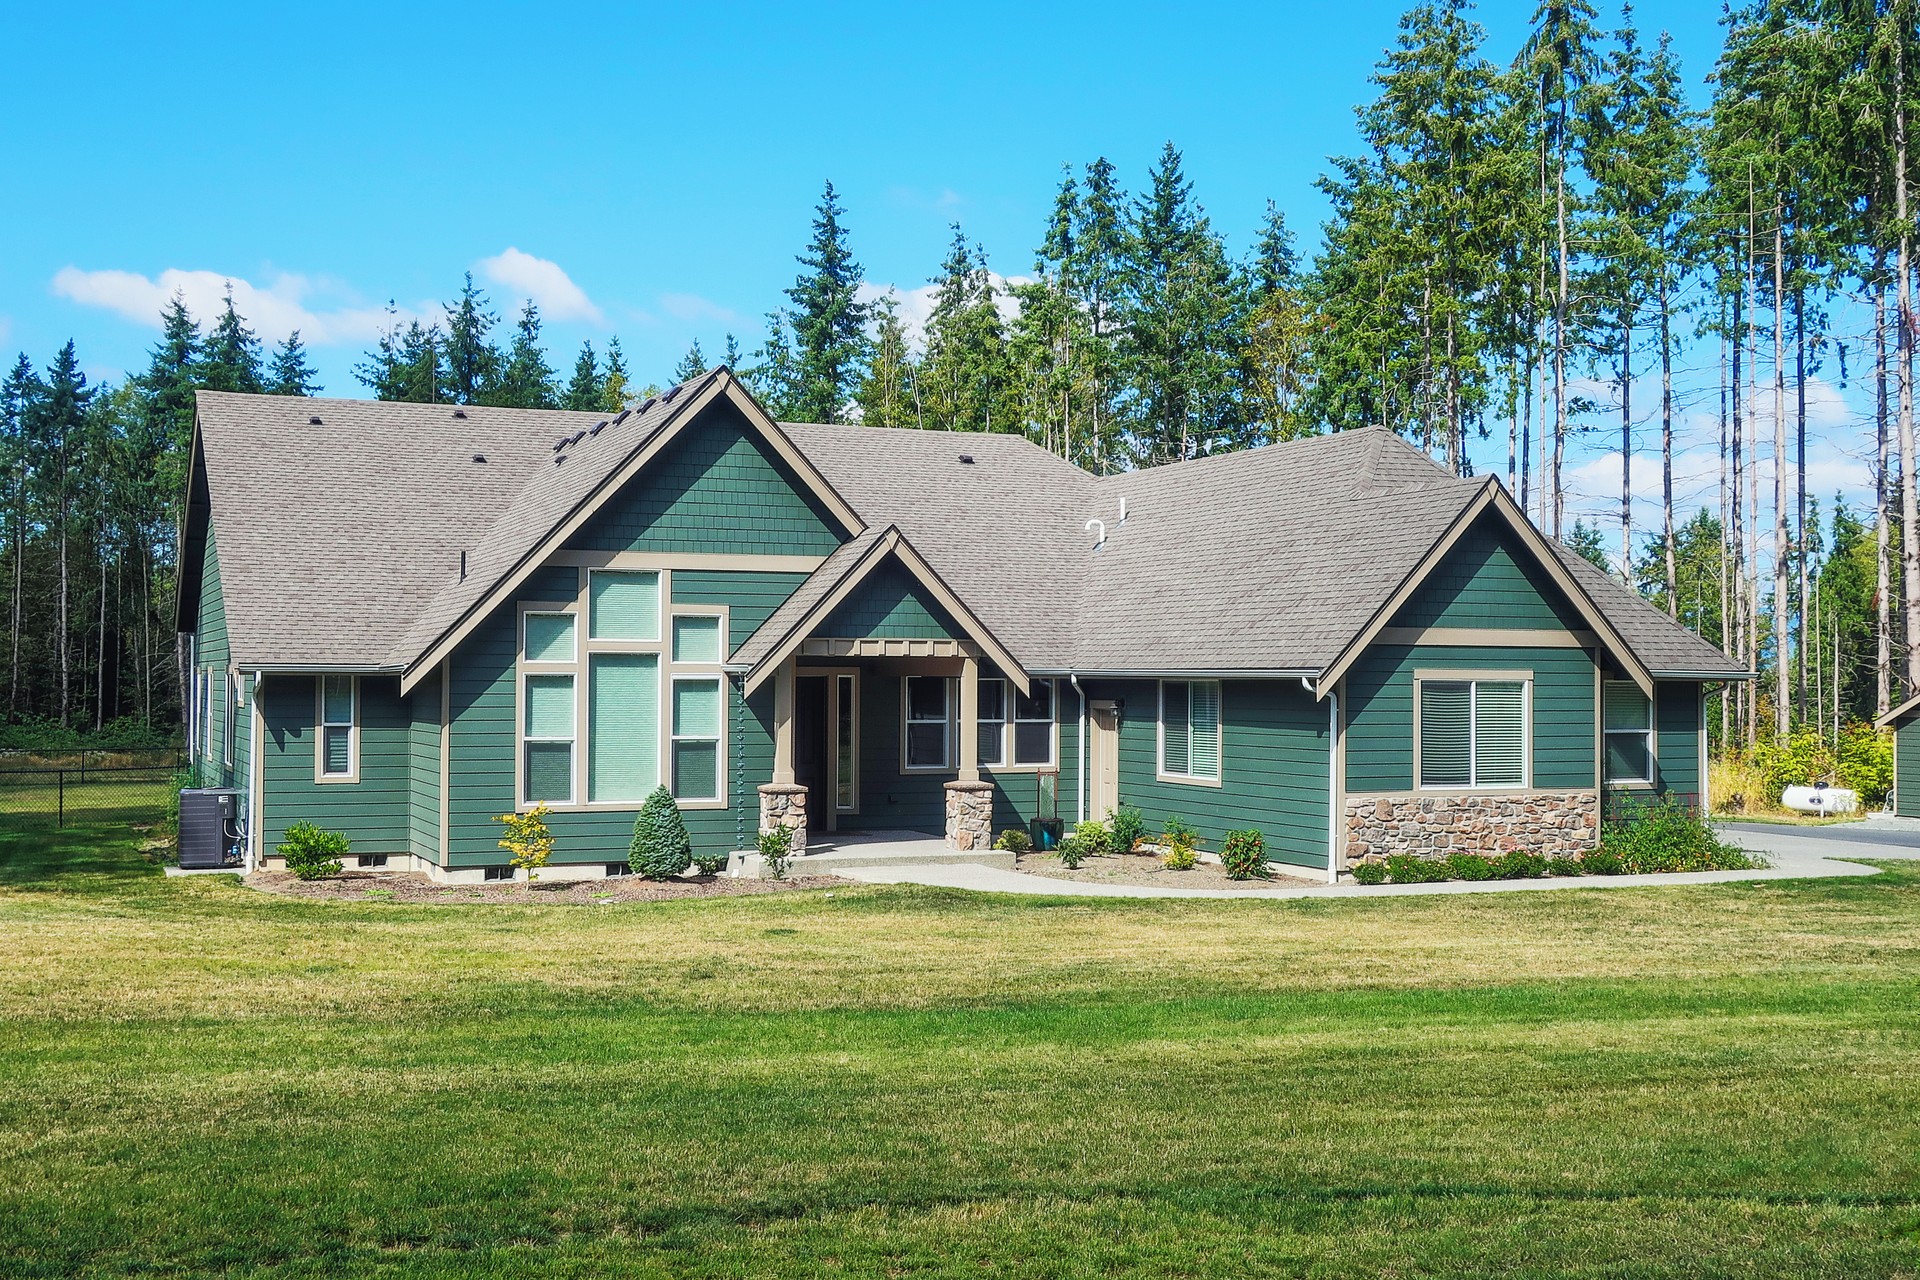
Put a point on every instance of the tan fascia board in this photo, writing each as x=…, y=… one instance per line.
x=1885, y=721
x=722, y=384
x=1492, y=496
x=892, y=542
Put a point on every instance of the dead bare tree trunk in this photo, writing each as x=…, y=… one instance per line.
x=1782, y=708
x=1666, y=447
x=1882, y=585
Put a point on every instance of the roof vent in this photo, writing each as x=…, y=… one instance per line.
x=561, y=443
x=621, y=416
x=459, y=413
x=967, y=458
x=666, y=397
x=576, y=437
x=479, y=457
x=597, y=427
x=313, y=420
x=645, y=405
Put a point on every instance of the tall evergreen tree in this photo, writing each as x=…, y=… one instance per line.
x=775, y=376
x=173, y=373
x=230, y=360
x=615, y=391
x=583, y=389
x=964, y=378
x=828, y=321
x=691, y=365
x=885, y=396
x=522, y=378
x=289, y=374
x=471, y=362
x=19, y=395
x=1276, y=355
x=56, y=424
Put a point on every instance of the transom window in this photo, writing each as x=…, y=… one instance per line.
x=623, y=604
x=338, y=695
x=928, y=721
x=1629, y=732
x=1190, y=729
x=1473, y=733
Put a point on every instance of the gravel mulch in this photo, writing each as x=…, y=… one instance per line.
x=1143, y=869
x=410, y=887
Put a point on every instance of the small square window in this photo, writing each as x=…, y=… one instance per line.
x=623, y=605
x=549, y=637
x=696, y=638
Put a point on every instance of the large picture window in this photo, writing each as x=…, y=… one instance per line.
x=1190, y=730
x=1629, y=732
x=1473, y=733
x=338, y=744
x=929, y=722
x=623, y=727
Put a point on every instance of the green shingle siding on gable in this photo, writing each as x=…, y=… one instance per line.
x=374, y=811
x=1379, y=712
x=1488, y=580
x=718, y=488
x=423, y=757
x=891, y=602
x=1274, y=760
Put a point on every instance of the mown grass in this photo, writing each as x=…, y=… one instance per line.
x=198, y=1079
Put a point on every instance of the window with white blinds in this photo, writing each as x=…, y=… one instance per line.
x=1473, y=733
x=1190, y=729
x=547, y=730
x=1629, y=732
x=697, y=705
x=336, y=743
x=623, y=727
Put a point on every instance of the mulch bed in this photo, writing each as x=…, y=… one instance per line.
x=411, y=887
x=1141, y=869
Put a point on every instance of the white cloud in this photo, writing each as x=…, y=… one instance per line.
x=694, y=309
x=916, y=305
x=273, y=310
x=551, y=289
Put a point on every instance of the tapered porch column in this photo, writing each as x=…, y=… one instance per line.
x=969, y=800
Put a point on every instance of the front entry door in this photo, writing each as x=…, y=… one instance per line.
x=1103, y=764
x=812, y=750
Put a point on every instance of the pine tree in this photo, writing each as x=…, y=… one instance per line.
x=1276, y=355
x=1098, y=270
x=828, y=322
x=471, y=362
x=691, y=365
x=884, y=398
x=615, y=390
x=57, y=422
x=733, y=357
x=583, y=389
x=19, y=396
x=522, y=379
x=230, y=360
x=964, y=377
x=289, y=374
x=775, y=377
x=173, y=373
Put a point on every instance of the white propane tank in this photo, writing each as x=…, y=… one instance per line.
x=1820, y=799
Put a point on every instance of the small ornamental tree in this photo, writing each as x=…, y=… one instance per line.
x=528, y=839
x=661, y=846
x=312, y=853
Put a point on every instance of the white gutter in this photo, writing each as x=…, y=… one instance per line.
x=1080, y=782
x=1333, y=779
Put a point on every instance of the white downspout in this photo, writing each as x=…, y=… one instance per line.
x=1080, y=751
x=1333, y=779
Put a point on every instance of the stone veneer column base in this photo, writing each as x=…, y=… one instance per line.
x=969, y=816
x=1547, y=822
x=784, y=805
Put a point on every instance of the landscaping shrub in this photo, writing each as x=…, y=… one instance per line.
x=1664, y=836
x=661, y=846
x=1072, y=852
x=1180, y=857
x=528, y=839
x=1244, y=855
x=1601, y=861
x=1406, y=868
x=1126, y=828
x=1094, y=838
x=312, y=853
x=776, y=849
x=1014, y=840
x=1176, y=829
x=710, y=864
x=1177, y=841
x=1520, y=865
x=1370, y=872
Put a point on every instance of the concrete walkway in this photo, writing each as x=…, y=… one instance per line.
x=1797, y=853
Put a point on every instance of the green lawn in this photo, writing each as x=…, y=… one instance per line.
x=198, y=1079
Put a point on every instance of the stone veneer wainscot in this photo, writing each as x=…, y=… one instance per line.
x=1433, y=826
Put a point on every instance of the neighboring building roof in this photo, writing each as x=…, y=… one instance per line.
x=1269, y=560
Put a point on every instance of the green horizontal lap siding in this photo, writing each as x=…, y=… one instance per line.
x=423, y=768
x=373, y=812
x=484, y=753
x=1488, y=580
x=750, y=597
x=1677, y=737
x=1274, y=761
x=890, y=603
x=1016, y=798
x=1906, y=769
x=717, y=489
x=1379, y=712
x=212, y=651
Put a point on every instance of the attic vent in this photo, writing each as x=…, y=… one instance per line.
x=621, y=416
x=967, y=458
x=576, y=437
x=597, y=427
x=560, y=444
x=459, y=413
x=313, y=420
x=666, y=397
x=479, y=457
x=645, y=405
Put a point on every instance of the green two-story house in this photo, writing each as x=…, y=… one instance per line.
x=404, y=620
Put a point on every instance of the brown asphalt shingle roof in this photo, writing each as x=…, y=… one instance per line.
x=340, y=544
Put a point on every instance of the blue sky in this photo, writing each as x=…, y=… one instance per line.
x=646, y=171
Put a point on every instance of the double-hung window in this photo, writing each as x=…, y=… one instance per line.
x=547, y=726
x=1629, y=732
x=929, y=721
x=993, y=723
x=338, y=742
x=1473, y=732
x=1190, y=730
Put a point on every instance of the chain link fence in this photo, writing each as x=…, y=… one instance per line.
x=49, y=797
